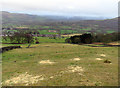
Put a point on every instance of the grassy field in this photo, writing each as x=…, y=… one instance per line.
x=87, y=29
x=46, y=32
x=48, y=40
x=60, y=64
x=110, y=31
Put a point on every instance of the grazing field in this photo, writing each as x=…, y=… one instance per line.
x=110, y=31
x=46, y=32
x=48, y=40
x=55, y=64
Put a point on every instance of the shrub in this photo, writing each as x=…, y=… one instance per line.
x=107, y=61
x=85, y=38
x=90, y=38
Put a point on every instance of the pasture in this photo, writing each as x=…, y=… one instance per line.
x=60, y=64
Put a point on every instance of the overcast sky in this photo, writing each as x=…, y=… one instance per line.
x=100, y=8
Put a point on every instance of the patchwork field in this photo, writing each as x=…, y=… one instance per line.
x=55, y=64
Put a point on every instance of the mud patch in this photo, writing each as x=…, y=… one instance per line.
x=46, y=62
x=25, y=79
x=99, y=59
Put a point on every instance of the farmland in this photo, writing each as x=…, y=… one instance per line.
x=59, y=52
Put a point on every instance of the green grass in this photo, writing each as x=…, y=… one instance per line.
x=45, y=26
x=46, y=32
x=87, y=29
x=68, y=31
x=110, y=31
x=48, y=40
x=96, y=73
x=61, y=31
x=5, y=41
x=12, y=30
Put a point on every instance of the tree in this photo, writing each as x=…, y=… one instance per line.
x=22, y=37
x=29, y=39
x=84, y=38
x=17, y=37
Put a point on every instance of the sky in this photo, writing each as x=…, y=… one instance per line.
x=93, y=8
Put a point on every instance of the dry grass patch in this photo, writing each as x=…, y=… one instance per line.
x=46, y=62
x=114, y=43
x=70, y=35
x=24, y=61
x=76, y=59
x=102, y=55
x=99, y=59
x=25, y=79
x=69, y=69
x=73, y=69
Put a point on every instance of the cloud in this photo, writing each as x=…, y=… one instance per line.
x=63, y=7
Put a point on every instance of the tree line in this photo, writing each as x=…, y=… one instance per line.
x=90, y=38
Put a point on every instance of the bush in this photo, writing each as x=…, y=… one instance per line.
x=85, y=38
x=89, y=38
x=106, y=38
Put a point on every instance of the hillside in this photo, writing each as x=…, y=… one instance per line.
x=72, y=23
x=17, y=18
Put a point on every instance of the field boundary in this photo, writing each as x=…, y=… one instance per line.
x=3, y=49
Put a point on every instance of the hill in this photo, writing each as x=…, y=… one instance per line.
x=17, y=18
x=72, y=23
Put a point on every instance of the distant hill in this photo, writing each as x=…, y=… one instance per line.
x=92, y=22
x=103, y=24
x=17, y=18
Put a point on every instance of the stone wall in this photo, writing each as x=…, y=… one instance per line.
x=3, y=49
